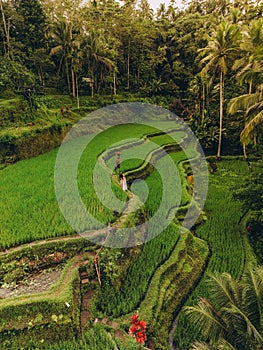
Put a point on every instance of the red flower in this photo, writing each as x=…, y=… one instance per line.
x=133, y=329
x=134, y=318
x=138, y=329
x=142, y=324
x=141, y=338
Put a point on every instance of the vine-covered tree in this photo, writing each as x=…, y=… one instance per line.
x=30, y=26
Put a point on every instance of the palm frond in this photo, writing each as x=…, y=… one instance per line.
x=225, y=290
x=250, y=75
x=202, y=346
x=222, y=344
x=253, y=295
x=246, y=133
x=242, y=103
x=253, y=110
x=206, y=319
x=242, y=321
x=106, y=61
x=240, y=63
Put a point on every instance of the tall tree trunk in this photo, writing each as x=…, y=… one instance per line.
x=77, y=91
x=221, y=111
x=114, y=83
x=73, y=81
x=244, y=146
x=250, y=88
x=71, y=62
x=6, y=30
x=203, y=101
x=68, y=79
x=244, y=151
x=92, y=83
x=40, y=75
x=128, y=66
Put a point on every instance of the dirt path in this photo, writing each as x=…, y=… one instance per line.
x=35, y=243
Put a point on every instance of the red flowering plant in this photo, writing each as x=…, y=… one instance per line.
x=138, y=329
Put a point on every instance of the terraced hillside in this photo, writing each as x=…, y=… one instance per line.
x=99, y=287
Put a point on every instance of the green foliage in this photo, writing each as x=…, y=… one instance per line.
x=250, y=194
x=109, y=263
x=206, y=133
x=155, y=251
x=15, y=265
x=232, y=315
x=96, y=338
x=223, y=234
x=43, y=217
x=30, y=26
x=170, y=285
x=15, y=75
x=38, y=315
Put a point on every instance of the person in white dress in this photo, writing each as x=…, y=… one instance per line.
x=124, y=183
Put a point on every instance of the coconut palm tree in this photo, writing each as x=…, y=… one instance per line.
x=61, y=32
x=252, y=106
x=200, y=86
x=95, y=48
x=250, y=71
x=246, y=66
x=221, y=48
x=234, y=317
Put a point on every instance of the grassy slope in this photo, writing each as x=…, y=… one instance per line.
x=223, y=235
x=48, y=159
x=229, y=248
x=29, y=209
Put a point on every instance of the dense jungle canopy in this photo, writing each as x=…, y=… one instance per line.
x=205, y=59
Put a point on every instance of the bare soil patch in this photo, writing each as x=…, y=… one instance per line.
x=38, y=283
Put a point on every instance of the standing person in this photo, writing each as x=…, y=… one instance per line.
x=117, y=163
x=124, y=183
x=121, y=178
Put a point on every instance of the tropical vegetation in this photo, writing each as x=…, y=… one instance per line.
x=196, y=61
x=190, y=288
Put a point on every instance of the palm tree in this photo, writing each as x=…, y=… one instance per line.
x=234, y=319
x=95, y=49
x=61, y=32
x=200, y=87
x=252, y=105
x=252, y=38
x=221, y=47
x=250, y=72
x=222, y=345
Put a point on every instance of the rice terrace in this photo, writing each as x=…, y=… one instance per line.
x=131, y=175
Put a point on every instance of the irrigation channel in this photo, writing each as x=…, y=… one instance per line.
x=106, y=160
